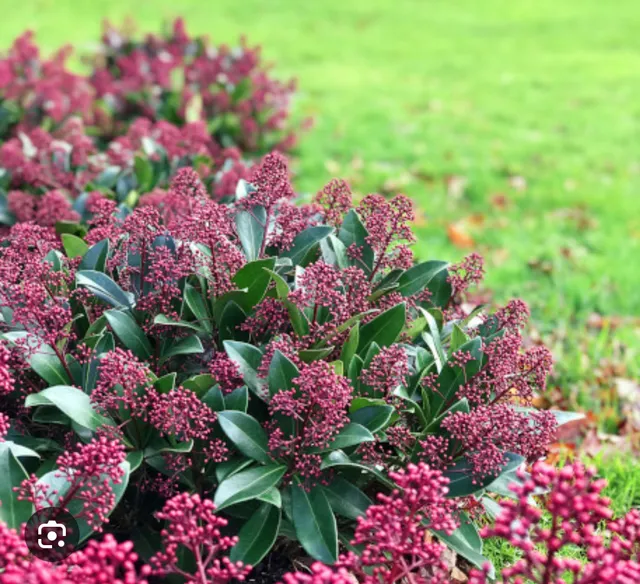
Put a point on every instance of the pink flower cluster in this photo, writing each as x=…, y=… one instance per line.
x=135, y=78
x=394, y=536
x=191, y=524
x=42, y=88
x=317, y=408
x=87, y=473
x=573, y=515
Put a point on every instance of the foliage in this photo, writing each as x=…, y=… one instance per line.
x=284, y=362
x=173, y=77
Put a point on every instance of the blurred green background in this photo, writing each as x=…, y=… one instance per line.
x=514, y=126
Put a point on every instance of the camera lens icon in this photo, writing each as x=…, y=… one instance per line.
x=52, y=534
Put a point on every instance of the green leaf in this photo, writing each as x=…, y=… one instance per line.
x=165, y=383
x=254, y=277
x=230, y=467
x=373, y=418
x=40, y=357
x=310, y=355
x=351, y=435
x=238, y=399
x=257, y=536
x=213, y=398
x=12, y=511
x=199, y=384
x=251, y=230
x=458, y=338
x=166, y=321
x=351, y=346
x=73, y=246
x=248, y=359
x=282, y=289
x=144, y=173
x=305, y=241
x=384, y=329
x=71, y=401
x=96, y=257
x=103, y=287
x=416, y=278
x=60, y=486
x=129, y=332
x=135, y=459
x=198, y=307
x=314, y=522
x=462, y=483
x=246, y=433
x=186, y=346
x=299, y=322
x=337, y=458
x=347, y=499
x=463, y=543
x=282, y=372
x=248, y=484
x=272, y=496
x=452, y=377
x=353, y=232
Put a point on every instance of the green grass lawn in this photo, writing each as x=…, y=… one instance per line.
x=516, y=121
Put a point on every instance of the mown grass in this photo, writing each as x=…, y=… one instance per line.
x=515, y=122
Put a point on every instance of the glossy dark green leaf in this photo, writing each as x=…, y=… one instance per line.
x=12, y=511
x=129, y=333
x=463, y=483
x=451, y=378
x=254, y=277
x=199, y=384
x=250, y=225
x=346, y=499
x=103, y=287
x=257, y=536
x=165, y=321
x=464, y=541
x=246, y=433
x=384, y=329
x=374, y=418
x=198, y=307
x=214, y=399
x=337, y=458
x=190, y=345
x=238, y=400
x=248, y=359
x=311, y=355
x=305, y=241
x=229, y=467
x=458, y=338
x=351, y=346
x=71, y=401
x=248, y=484
x=417, y=278
x=282, y=372
x=282, y=288
x=59, y=485
x=314, y=522
x=351, y=435
x=353, y=232
x=96, y=257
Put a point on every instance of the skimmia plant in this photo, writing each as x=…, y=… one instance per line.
x=284, y=366
x=174, y=78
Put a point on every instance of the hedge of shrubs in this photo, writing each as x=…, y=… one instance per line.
x=208, y=374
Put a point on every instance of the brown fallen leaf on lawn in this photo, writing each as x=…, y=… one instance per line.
x=459, y=236
x=500, y=201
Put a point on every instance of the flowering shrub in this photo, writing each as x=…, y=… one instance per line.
x=576, y=511
x=179, y=78
x=277, y=363
x=174, y=78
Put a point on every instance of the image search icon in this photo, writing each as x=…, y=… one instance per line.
x=52, y=534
